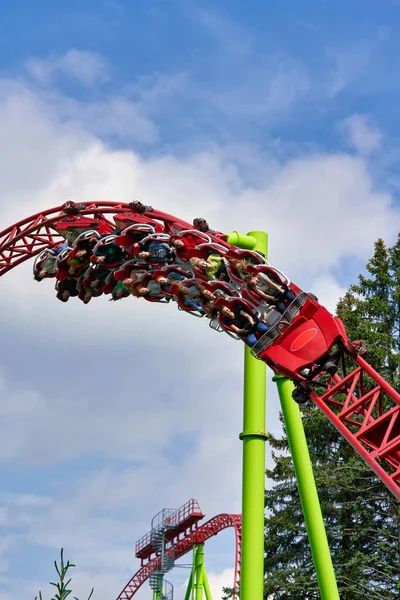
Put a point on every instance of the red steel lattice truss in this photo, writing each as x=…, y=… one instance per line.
x=182, y=546
x=357, y=400
x=368, y=418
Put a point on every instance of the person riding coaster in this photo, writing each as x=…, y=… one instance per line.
x=146, y=287
x=238, y=317
x=92, y=282
x=45, y=265
x=214, y=267
x=186, y=240
x=119, y=291
x=86, y=242
x=133, y=268
x=167, y=276
x=155, y=249
x=66, y=289
x=71, y=262
x=187, y=296
x=267, y=284
x=132, y=235
x=108, y=253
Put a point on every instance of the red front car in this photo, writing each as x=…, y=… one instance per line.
x=302, y=338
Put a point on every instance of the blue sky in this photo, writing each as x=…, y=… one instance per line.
x=275, y=115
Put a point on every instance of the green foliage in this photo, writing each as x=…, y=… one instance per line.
x=62, y=585
x=361, y=516
x=370, y=311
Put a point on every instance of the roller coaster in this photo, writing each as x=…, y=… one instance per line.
x=181, y=535
x=128, y=249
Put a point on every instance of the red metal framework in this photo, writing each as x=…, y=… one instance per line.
x=368, y=417
x=182, y=546
x=183, y=519
x=366, y=411
x=30, y=236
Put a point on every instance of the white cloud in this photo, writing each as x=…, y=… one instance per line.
x=325, y=286
x=85, y=66
x=350, y=66
x=130, y=380
x=217, y=581
x=362, y=135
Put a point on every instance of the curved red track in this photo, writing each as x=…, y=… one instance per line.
x=370, y=421
x=184, y=545
x=30, y=236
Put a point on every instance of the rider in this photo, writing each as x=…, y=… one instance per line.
x=244, y=324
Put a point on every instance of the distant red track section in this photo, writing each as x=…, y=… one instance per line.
x=182, y=546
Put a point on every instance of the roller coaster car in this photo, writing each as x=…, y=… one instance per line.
x=144, y=282
x=133, y=235
x=110, y=283
x=161, y=256
x=125, y=270
x=155, y=237
x=180, y=298
x=125, y=220
x=302, y=338
x=191, y=238
x=221, y=288
x=166, y=272
x=85, y=241
x=205, y=250
x=78, y=225
x=276, y=276
x=252, y=257
x=40, y=262
x=63, y=259
x=108, y=248
x=233, y=304
x=93, y=273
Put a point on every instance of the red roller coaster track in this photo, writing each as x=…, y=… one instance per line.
x=182, y=546
x=359, y=403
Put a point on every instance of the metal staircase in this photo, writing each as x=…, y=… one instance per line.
x=161, y=523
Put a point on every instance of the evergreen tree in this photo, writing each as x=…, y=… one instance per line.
x=362, y=517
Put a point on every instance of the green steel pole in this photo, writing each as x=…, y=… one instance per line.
x=198, y=586
x=206, y=584
x=308, y=491
x=253, y=486
x=189, y=591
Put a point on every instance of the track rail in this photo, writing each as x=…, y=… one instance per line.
x=366, y=411
x=182, y=546
x=29, y=237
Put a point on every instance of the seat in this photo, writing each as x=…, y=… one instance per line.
x=86, y=235
x=165, y=273
x=232, y=303
x=125, y=270
x=251, y=256
x=179, y=297
x=78, y=225
x=160, y=299
x=133, y=234
x=125, y=220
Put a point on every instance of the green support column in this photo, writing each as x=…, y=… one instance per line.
x=308, y=491
x=189, y=588
x=198, y=580
x=253, y=436
x=198, y=585
x=206, y=584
